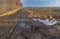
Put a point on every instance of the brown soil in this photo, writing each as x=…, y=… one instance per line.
x=10, y=29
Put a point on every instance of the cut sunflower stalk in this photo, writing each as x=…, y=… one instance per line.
x=9, y=7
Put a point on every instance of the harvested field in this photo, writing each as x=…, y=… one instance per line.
x=12, y=27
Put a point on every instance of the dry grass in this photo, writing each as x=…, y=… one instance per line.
x=44, y=12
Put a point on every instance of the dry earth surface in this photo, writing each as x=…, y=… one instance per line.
x=10, y=28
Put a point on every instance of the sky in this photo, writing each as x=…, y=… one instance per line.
x=41, y=3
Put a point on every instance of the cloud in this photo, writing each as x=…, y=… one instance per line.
x=41, y=3
x=54, y=3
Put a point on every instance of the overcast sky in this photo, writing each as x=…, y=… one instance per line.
x=41, y=3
